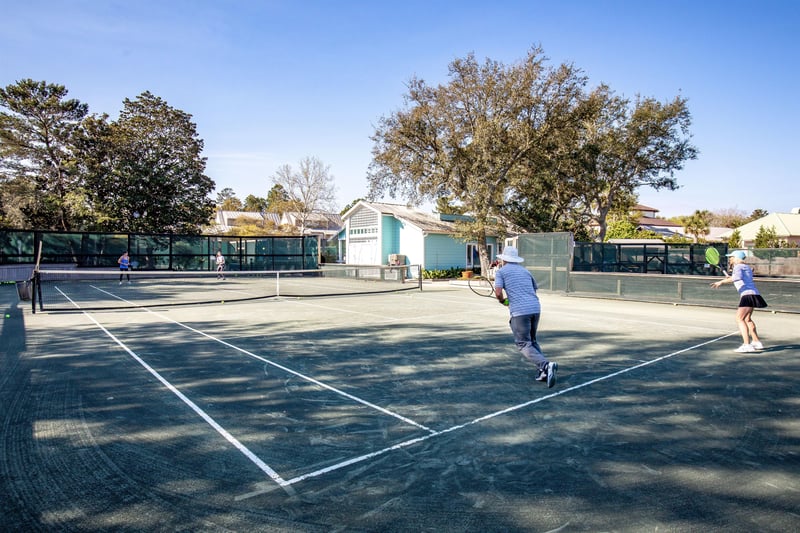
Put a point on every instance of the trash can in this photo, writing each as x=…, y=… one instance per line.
x=24, y=290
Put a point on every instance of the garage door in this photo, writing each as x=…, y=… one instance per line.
x=363, y=253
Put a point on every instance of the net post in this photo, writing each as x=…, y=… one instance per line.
x=32, y=280
x=36, y=290
x=38, y=258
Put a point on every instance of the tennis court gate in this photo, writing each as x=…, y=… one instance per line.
x=548, y=256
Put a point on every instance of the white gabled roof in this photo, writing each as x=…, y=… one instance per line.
x=424, y=221
x=225, y=217
x=786, y=225
x=316, y=220
x=715, y=233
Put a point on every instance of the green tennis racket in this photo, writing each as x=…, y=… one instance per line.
x=712, y=258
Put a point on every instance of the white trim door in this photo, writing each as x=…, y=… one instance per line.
x=363, y=252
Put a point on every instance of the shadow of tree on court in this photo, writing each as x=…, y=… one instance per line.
x=704, y=440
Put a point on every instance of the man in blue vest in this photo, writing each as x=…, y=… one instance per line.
x=124, y=262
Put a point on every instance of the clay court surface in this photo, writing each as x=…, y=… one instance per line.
x=407, y=411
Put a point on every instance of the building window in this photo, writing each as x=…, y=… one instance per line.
x=473, y=258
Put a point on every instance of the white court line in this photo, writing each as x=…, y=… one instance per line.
x=507, y=410
x=277, y=365
x=193, y=406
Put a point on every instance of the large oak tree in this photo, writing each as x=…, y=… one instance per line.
x=476, y=139
x=628, y=145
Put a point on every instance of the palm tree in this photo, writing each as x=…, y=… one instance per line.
x=697, y=225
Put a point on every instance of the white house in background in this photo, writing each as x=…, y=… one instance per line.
x=646, y=211
x=787, y=228
x=650, y=221
x=647, y=220
x=716, y=234
x=375, y=233
x=326, y=225
x=225, y=220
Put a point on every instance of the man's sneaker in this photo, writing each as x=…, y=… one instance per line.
x=757, y=345
x=745, y=348
x=551, y=374
x=541, y=376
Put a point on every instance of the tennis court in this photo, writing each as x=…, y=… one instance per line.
x=403, y=411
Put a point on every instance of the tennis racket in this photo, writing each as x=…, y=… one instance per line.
x=481, y=286
x=712, y=258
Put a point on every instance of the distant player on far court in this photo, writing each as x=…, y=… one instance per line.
x=220, y=265
x=124, y=262
x=749, y=299
x=525, y=310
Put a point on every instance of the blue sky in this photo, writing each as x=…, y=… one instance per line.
x=271, y=82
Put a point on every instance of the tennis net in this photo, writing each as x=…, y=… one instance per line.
x=62, y=290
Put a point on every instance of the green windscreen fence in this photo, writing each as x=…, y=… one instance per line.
x=550, y=256
x=155, y=251
x=781, y=294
